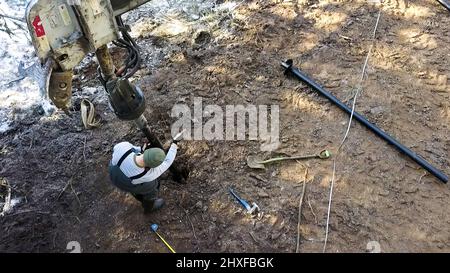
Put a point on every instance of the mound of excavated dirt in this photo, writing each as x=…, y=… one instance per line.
x=60, y=170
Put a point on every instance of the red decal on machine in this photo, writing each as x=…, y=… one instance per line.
x=38, y=27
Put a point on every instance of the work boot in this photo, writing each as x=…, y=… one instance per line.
x=152, y=205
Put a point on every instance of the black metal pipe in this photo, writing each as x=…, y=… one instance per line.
x=288, y=65
x=445, y=3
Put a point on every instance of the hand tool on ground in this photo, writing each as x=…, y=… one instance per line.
x=81, y=28
x=256, y=162
x=250, y=210
x=154, y=228
x=445, y=3
x=88, y=114
x=291, y=70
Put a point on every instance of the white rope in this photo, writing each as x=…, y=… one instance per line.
x=359, y=88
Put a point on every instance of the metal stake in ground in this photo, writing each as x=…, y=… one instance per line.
x=290, y=69
x=154, y=228
x=179, y=174
x=128, y=103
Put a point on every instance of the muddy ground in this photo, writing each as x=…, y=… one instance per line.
x=379, y=195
